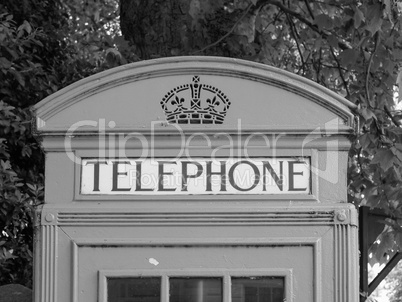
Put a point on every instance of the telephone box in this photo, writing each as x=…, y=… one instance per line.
x=196, y=179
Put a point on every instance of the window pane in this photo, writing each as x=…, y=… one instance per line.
x=195, y=289
x=134, y=289
x=258, y=289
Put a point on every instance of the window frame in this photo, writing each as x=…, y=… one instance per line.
x=165, y=274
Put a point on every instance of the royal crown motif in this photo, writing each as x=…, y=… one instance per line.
x=195, y=103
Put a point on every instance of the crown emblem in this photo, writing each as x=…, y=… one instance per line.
x=195, y=103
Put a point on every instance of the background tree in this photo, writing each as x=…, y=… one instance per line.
x=351, y=47
x=26, y=62
x=38, y=56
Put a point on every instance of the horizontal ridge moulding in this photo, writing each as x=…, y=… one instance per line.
x=191, y=218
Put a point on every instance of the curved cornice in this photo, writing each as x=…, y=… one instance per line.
x=220, y=66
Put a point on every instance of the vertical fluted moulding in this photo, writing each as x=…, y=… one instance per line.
x=47, y=269
x=346, y=266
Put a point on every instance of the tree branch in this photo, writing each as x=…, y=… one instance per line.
x=318, y=70
x=345, y=83
x=227, y=34
x=273, y=22
x=393, y=119
x=261, y=3
x=294, y=33
x=287, y=10
x=309, y=9
x=377, y=40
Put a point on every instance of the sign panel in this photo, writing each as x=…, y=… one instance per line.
x=196, y=176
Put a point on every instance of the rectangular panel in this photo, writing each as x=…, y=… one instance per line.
x=134, y=289
x=258, y=289
x=196, y=176
x=195, y=289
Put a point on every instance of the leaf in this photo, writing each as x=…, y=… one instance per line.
x=397, y=153
x=349, y=56
x=378, y=253
x=385, y=158
x=398, y=240
x=365, y=140
x=358, y=18
x=381, y=250
x=4, y=63
x=113, y=57
x=25, y=26
x=399, y=83
x=367, y=113
x=97, y=15
x=31, y=186
x=26, y=151
x=374, y=18
x=323, y=21
x=5, y=165
x=247, y=28
x=398, y=146
x=397, y=174
x=17, y=75
x=388, y=9
x=12, y=52
x=120, y=42
x=333, y=41
x=37, y=42
x=372, y=201
x=270, y=29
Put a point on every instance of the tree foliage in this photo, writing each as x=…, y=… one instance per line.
x=351, y=47
x=390, y=287
x=37, y=57
x=394, y=280
x=21, y=163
